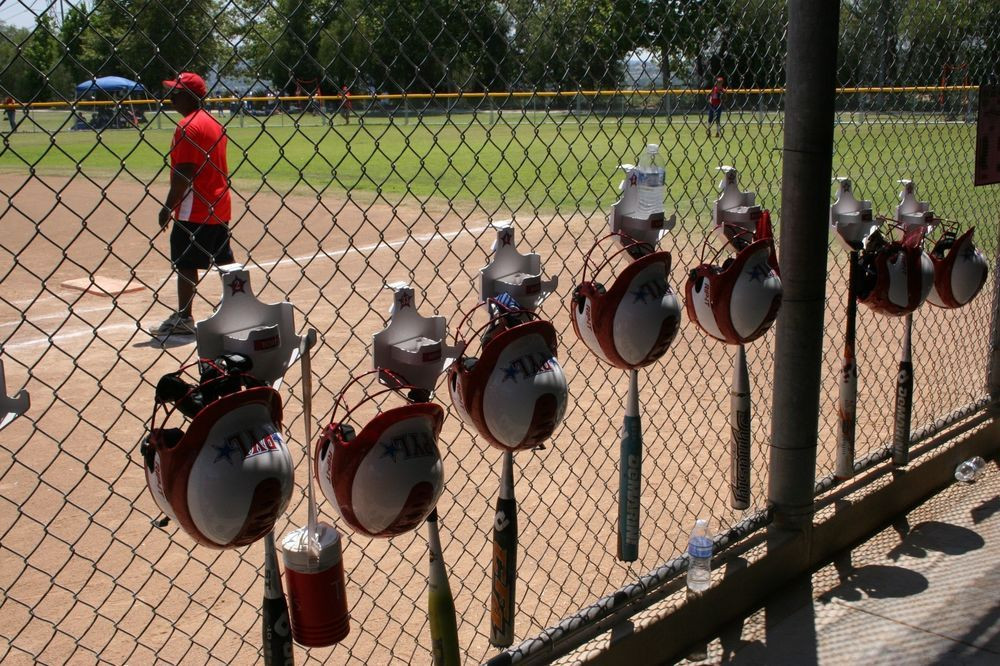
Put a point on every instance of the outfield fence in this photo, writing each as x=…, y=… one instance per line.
x=331, y=204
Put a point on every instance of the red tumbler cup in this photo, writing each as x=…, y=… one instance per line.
x=317, y=594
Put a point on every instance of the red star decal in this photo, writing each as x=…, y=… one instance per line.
x=506, y=237
x=404, y=301
x=237, y=285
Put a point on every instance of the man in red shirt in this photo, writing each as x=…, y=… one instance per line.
x=715, y=107
x=198, y=199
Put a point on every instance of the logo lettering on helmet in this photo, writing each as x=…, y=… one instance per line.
x=267, y=343
x=269, y=442
x=654, y=290
x=528, y=366
x=408, y=446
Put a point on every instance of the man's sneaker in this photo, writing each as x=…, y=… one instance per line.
x=175, y=324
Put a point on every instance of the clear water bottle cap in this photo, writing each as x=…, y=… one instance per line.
x=652, y=148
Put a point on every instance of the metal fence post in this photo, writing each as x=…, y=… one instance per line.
x=805, y=197
x=993, y=370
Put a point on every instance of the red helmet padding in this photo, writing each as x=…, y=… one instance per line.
x=722, y=281
x=472, y=385
x=176, y=463
x=604, y=307
x=348, y=456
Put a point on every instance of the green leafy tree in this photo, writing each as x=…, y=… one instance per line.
x=13, y=68
x=41, y=52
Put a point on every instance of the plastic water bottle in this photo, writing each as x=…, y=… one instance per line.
x=971, y=470
x=699, y=575
x=651, y=178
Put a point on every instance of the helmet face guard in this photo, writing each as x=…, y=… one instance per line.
x=387, y=478
x=960, y=271
x=633, y=323
x=228, y=477
x=895, y=279
x=738, y=301
x=515, y=393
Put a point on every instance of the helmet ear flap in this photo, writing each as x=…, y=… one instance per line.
x=943, y=244
x=865, y=277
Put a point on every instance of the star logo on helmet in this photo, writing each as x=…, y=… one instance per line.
x=404, y=300
x=758, y=273
x=506, y=236
x=510, y=372
x=639, y=295
x=226, y=451
x=238, y=286
x=390, y=450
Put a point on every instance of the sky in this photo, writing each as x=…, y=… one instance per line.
x=21, y=13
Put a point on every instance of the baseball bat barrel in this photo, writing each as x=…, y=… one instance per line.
x=848, y=403
x=739, y=437
x=440, y=603
x=277, y=643
x=904, y=400
x=630, y=475
x=503, y=593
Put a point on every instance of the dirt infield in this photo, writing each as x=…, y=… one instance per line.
x=84, y=573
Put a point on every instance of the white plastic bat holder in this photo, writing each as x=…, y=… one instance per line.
x=11, y=406
x=411, y=345
x=735, y=212
x=624, y=218
x=243, y=325
x=519, y=275
x=851, y=218
x=910, y=212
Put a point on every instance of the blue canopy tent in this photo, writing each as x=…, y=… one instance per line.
x=112, y=85
x=110, y=117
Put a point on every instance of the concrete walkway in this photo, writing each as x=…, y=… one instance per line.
x=924, y=591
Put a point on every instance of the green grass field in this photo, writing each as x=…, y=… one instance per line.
x=519, y=162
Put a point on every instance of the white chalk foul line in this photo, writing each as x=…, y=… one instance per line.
x=298, y=260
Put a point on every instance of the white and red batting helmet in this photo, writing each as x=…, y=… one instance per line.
x=515, y=393
x=959, y=270
x=632, y=323
x=894, y=278
x=228, y=477
x=385, y=479
x=738, y=301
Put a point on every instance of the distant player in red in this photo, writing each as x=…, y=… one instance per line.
x=715, y=107
x=345, y=104
x=198, y=199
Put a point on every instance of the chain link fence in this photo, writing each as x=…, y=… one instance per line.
x=373, y=142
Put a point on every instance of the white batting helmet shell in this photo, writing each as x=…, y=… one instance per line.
x=633, y=323
x=386, y=479
x=959, y=271
x=229, y=476
x=515, y=393
x=738, y=301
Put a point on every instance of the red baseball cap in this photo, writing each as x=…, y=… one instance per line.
x=188, y=81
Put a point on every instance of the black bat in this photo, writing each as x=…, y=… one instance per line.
x=277, y=643
x=904, y=400
x=504, y=581
x=740, y=433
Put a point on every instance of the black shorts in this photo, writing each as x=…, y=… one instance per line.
x=199, y=246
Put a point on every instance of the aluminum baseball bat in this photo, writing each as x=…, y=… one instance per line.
x=848, y=403
x=440, y=603
x=503, y=590
x=740, y=437
x=630, y=475
x=904, y=400
x=277, y=643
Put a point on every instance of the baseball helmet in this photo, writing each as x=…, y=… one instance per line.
x=959, y=270
x=385, y=479
x=738, y=301
x=894, y=278
x=632, y=323
x=229, y=475
x=515, y=393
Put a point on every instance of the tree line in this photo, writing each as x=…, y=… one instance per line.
x=450, y=45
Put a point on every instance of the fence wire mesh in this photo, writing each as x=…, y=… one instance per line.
x=363, y=149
